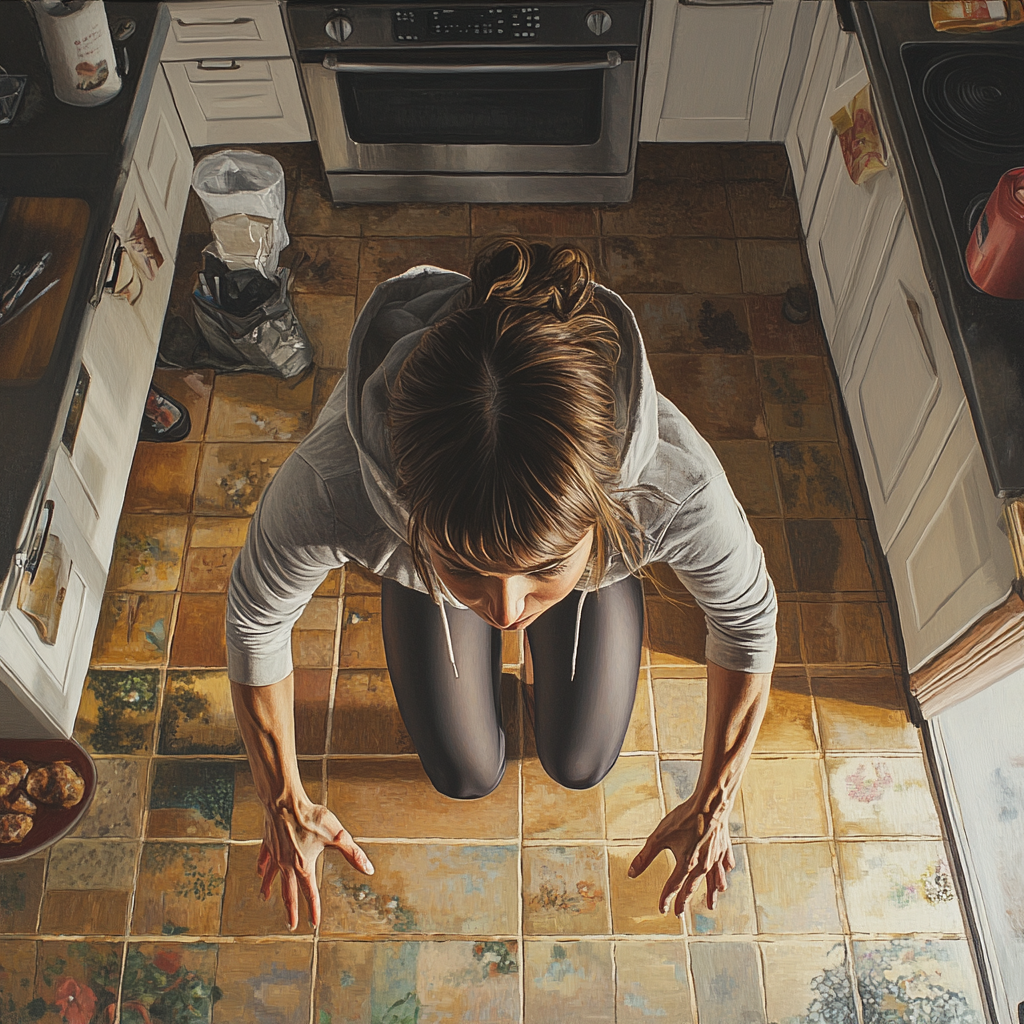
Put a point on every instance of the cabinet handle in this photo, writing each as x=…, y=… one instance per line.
x=915, y=313
x=214, y=21
x=30, y=562
x=612, y=60
x=218, y=65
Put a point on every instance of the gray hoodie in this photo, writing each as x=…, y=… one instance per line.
x=334, y=500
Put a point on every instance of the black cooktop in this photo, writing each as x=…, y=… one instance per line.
x=954, y=111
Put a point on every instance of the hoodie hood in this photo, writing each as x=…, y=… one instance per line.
x=391, y=324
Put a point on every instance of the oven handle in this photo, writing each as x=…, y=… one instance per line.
x=612, y=60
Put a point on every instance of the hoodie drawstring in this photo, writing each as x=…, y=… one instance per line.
x=448, y=637
x=576, y=637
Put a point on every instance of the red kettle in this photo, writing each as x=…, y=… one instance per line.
x=995, y=253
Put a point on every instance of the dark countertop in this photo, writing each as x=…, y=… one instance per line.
x=54, y=149
x=986, y=333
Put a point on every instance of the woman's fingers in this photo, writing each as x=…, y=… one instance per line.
x=290, y=895
x=675, y=879
x=307, y=883
x=691, y=883
x=643, y=859
x=353, y=854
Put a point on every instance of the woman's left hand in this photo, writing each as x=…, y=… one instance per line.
x=699, y=841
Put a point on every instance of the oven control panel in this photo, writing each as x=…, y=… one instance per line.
x=466, y=24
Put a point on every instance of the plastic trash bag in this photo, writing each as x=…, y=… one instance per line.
x=243, y=181
x=270, y=339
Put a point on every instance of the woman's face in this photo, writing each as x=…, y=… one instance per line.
x=512, y=601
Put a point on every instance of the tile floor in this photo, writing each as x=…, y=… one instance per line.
x=516, y=907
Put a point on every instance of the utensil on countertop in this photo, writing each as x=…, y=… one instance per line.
x=15, y=289
x=21, y=309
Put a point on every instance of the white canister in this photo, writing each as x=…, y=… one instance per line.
x=79, y=50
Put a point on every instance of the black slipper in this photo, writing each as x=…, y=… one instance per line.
x=164, y=419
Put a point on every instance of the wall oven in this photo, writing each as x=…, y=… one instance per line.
x=471, y=103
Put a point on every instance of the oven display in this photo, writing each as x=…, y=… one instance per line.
x=466, y=24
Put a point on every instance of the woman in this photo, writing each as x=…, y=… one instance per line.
x=497, y=452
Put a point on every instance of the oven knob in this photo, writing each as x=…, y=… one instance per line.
x=599, y=22
x=339, y=29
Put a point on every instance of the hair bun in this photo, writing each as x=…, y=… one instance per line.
x=514, y=272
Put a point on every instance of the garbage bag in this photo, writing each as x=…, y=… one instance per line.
x=270, y=339
x=243, y=181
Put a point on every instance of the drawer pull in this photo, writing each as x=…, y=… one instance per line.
x=218, y=65
x=214, y=21
x=30, y=562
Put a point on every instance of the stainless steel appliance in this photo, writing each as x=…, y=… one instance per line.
x=471, y=103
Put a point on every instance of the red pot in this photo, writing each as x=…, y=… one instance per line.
x=995, y=253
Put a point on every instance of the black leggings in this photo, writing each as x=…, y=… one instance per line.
x=581, y=719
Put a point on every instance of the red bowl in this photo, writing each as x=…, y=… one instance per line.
x=52, y=823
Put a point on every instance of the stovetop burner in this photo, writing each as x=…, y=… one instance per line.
x=978, y=99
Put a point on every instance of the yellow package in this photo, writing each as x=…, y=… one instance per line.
x=859, y=137
x=976, y=15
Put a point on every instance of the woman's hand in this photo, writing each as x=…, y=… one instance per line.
x=699, y=841
x=293, y=838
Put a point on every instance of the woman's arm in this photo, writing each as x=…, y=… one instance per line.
x=697, y=831
x=296, y=829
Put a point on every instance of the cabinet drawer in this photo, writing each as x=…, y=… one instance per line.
x=903, y=391
x=240, y=101
x=949, y=562
x=252, y=29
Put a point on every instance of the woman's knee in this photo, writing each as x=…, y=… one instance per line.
x=576, y=772
x=466, y=781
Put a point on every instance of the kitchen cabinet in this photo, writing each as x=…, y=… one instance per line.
x=934, y=510
x=42, y=683
x=231, y=74
x=718, y=73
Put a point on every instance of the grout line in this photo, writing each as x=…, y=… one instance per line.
x=520, y=895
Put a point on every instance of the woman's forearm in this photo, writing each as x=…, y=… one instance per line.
x=266, y=720
x=735, y=707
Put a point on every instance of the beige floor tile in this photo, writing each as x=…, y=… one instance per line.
x=794, y=888
x=569, y=981
x=862, y=712
x=359, y=580
x=750, y=468
x=805, y=978
x=828, y=556
x=362, y=643
x=676, y=633
x=881, y=796
x=533, y=220
x=679, y=710
x=147, y=553
x=117, y=714
x=366, y=716
x=760, y=210
x=117, y=804
x=324, y=264
x=426, y=981
x=133, y=630
x=784, y=797
x=162, y=478
x=199, y=640
x=565, y=890
x=727, y=982
x=233, y=476
x=670, y=207
x=256, y=407
x=691, y=323
x=846, y=633
x=198, y=716
x=88, y=887
x=734, y=910
x=393, y=797
x=705, y=265
x=402, y=220
x=631, y=800
x=208, y=569
x=264, y=981
x=180, y=889
x=635, y=902
x=313, y=648
x=899, y=887
x=771, y=266
x=552, y=812
x=812, y=480
x=788, y=725
x=651, y=982
x=771, y=535
x=327, y=321
x=423, y=888
x=679, y=779
x=321, y=613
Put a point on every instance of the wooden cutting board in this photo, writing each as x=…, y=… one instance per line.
x=30, y=227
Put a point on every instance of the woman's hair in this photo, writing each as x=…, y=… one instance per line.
x=502, y=419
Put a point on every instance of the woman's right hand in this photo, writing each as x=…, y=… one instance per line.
x=293, y=838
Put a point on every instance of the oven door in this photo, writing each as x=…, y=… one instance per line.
x=475, y=112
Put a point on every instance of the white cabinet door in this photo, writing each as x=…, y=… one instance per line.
x=46, y=679
x=903, y=391
x=164, y=161
x=846, y=239
x=223, y=29
x=232, y=101
x=950, y=563
x=714, y=74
